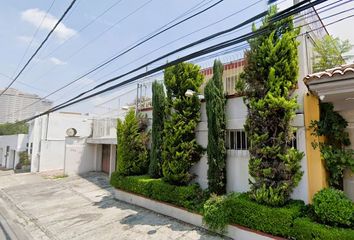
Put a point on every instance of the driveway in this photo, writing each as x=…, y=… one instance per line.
x=37, y=207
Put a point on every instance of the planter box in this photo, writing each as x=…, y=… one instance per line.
x=233, y=231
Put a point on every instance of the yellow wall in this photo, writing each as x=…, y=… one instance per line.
x=316, y=170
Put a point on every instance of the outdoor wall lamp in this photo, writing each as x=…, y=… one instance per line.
x=126, y=108
x=191, y=93
x=322, y=97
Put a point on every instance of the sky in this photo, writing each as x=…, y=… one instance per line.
x=96, y=30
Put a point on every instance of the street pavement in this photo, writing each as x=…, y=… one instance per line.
x=34, y=206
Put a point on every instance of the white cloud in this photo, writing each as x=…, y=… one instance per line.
x=34, y=16
x=24, y=39
x=57, y=61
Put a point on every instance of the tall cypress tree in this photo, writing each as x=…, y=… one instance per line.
x=158, y=118
x=270, y=76
x=180, y=148
x=215, y=107
x=132, y=152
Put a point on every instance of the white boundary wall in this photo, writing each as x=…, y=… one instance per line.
x=237, y=160
x=233, y=231
x=16, y=143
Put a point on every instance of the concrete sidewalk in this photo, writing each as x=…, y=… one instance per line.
x=82, y=208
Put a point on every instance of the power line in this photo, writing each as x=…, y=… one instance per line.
x=25, y=84
x=197, y=60
x=292, y=11
x=34, y=35
x=298, y=17
x=282, y=13
x=169, y=43
x=185, y=58
x=184, y=36
x=40, y=46
x=197, y=6
x=133, y=47
x=98, y=36
x=91, y=22
x=84, y=27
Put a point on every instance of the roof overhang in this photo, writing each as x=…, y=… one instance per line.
x=334, y=85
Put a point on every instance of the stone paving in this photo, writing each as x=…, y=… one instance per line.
x=38, y=207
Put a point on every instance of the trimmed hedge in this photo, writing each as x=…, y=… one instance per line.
x=305, y=229
x=191, y=197
x=286, y=221
x=240, y=209
x=274, y=220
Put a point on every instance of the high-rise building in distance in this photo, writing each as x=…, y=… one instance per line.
x=16, y=105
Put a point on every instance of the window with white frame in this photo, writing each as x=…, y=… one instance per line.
x=236, y=139
x=230, y=85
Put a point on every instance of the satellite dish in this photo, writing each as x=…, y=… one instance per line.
x=71, y=132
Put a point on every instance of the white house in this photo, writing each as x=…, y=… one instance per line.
x=90, y=147
x=93, y=148
x=47, y=136
x=10, y=148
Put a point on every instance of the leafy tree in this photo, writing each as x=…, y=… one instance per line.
x=330, y=52
x=158, y=118
x=270, y=75
x=132, y=153
x=13, y=128
x=180, y=148
x=215, y=107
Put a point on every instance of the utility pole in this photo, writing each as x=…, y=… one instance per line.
x=137, y=99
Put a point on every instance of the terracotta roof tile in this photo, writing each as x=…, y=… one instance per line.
x=341, y=70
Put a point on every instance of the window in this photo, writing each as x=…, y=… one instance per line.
x=230, y=85
x=293, y=142
x=236, y=139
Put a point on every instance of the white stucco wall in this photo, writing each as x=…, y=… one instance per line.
x=79, y=156
x=59, y=122
x=17, y=143
x=237, y=160
x=348, y=180
x=47, y=135
x=52, y=154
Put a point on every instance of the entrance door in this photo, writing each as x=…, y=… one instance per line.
x=11, y=159
x=106, y=155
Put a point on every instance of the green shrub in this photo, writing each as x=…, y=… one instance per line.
x=24, y=158
x=305, y=229
x=240, y=209
x=191, y=197
x=332, y=207
x=216, y=213
x=132, y=139
x=273, y=220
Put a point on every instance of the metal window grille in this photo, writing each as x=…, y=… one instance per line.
x=230, y=85
x=236, y=139
x=293, y=141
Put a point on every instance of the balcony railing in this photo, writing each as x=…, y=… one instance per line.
x=104, y=128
